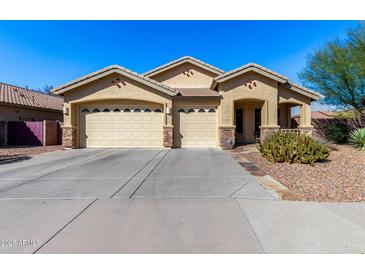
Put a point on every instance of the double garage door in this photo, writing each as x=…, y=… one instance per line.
x=142, y=126
x=107, y=126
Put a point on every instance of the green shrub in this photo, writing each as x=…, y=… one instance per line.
x=337, y=133
x=357, y=138
x=293, y=148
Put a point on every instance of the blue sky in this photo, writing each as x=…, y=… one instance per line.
x=36, y=53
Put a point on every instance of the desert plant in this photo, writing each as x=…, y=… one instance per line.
x=293, y=148
x=357, y=138
x=337, y=70
x=337, y=133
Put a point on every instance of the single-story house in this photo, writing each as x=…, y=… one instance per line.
x=321, y=114
x=184, y=103
x=22, y=104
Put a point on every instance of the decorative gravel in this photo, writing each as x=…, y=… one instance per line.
x=341, y=178
x=14, y=154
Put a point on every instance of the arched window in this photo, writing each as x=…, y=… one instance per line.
x=157, y=110
x=181, y=110
x=106, y=110
x=85, y=110
x=147, y=110
x=96, y=110
x=116, y=110
x=191, y=110
x=136, y=110
x=127, y=110
x=211, y=110
x=201, y=110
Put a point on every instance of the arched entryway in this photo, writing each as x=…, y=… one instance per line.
x=248, y=117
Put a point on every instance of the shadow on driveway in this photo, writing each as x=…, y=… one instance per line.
x=9, y=159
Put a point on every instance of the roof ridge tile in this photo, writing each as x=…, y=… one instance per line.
x=186, y=57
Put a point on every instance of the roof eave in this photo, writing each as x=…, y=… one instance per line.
x=198, y=96
x=249, y=69
x=31, y=107
x=213, y=85
x=104, y=72
x=265, y=72
x=180, y=61
x=306, y=92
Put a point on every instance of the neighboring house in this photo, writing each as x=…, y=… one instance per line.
x=21, y=104
x=323, y=114
x=322, y=119
x=185, y=103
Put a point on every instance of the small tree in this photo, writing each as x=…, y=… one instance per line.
x=337, y=70
x=46, y=89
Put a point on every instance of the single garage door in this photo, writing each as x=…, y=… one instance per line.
x=111, y=126
x=197, y=126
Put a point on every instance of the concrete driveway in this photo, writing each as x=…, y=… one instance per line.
x=128, y=173
x=160, y=201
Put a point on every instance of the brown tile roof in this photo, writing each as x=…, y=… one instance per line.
x=10, y=94
x=323, y=114
x=197, y=92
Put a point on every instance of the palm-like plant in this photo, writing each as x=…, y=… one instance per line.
x=357, y=138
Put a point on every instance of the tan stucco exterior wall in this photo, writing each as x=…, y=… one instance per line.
x=13, y=113
x=103, y=91
x=264, y=90
x=186, y=76
x=249, y=92
x=285, y=115
x=291, y=98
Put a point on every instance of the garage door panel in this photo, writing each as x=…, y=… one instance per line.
x=197, y=128
x=118, y=129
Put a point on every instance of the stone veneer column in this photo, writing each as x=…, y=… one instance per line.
x=227, y=137
x=267, y=130
x=69, y=137
x=168, y=136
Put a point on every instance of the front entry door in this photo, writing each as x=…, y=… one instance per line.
x=239, y=120
x=239, y=126
x=257, y=122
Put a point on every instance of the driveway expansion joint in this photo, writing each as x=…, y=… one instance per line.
x=249, y=223
x=135, y=175
x=241, y=187
x=62, y=228
x=135, y=191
